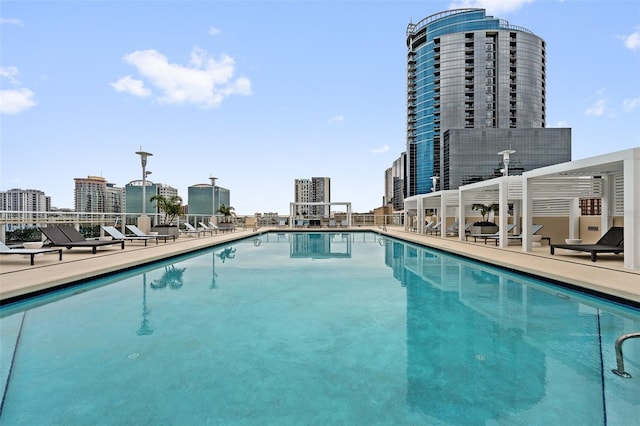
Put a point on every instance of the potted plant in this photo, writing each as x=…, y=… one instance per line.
x=228, y=213
x=484, y=226
x=171, y=208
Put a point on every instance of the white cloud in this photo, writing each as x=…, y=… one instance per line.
x=561, y=124
x=15, y=101
x=11, y=21
x=132, y=86
x=336, y=119
x=380, y=150
x=214, y=31
x=629, y=105
x=9, y=73
x=632, y=41
x=597, y=108
x=205, y=81
x=492, y=6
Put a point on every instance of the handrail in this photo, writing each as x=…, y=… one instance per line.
x=619, y=358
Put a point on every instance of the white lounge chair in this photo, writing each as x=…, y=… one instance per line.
x=117, y=235
x=209, y=228
x=139, y=233
x=29, y=252
x=190, y=229
x=486, y=237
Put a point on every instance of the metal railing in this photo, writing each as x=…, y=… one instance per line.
x=90, y=223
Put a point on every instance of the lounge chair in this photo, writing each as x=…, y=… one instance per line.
x=534, y=229
x=332, y=223
x=217, y=228
x=117, y=235
x=452, y=229
x=29, y=252
x=209, y=228
x=139, y=233
x=428, y=227
x=190, y=229
x=69, y=237
x=486, y=237
x=435, y=229
x=611, y=242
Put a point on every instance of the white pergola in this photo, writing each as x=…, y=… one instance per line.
x=292, y=209
x=501, y=191
x=614, y=178
x=553, y=191
x=445, y=203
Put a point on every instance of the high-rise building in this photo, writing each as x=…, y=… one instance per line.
x=200, y=202
x=24, y=200
x=467, y=70
x=94, y=194
x=133, y=195
x=314, y=190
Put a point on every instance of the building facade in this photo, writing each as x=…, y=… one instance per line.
x=467, y=70
x=314, y=190
x=471, y=155
x=24, y=200
x=201, y=202
x=133, y=196
x=94, y=194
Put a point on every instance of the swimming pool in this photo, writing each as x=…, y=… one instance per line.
x=317, y=328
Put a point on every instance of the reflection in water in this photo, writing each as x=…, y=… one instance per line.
x=320, y=245
x=145, y=328
x=228, y=253
x=172, y=278
x=480, y=341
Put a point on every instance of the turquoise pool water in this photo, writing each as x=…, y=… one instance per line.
x=345, y=328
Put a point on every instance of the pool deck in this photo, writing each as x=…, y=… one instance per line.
x=607, y=275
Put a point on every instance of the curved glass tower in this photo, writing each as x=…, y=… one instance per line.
x=467, y=70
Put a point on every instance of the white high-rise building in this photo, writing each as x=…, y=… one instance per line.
x=25, y=200
x=314, y=190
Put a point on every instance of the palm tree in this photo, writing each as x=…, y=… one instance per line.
x=484, y=210
x=226, y=211
x=171, y=207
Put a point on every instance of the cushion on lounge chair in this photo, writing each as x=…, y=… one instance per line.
x=29, y=252
x=69, y=237
x=611, y=242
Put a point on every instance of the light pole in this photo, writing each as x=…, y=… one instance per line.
x=505, y=159
x=213, y=197
x=143, y=159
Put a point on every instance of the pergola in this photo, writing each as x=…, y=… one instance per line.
x=292, y=208
x=553, y=191
x=614, y=178
x=445, y=203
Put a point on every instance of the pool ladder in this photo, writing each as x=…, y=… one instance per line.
x=619, y=358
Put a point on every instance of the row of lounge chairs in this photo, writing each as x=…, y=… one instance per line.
x=67, y=236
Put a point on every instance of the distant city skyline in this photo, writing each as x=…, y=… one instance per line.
x=258, y=94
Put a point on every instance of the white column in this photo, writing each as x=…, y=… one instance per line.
x=574, y=218
x=606, y=220
x=632, y=210
x=291, y=215
x=443, y=215
x=527, y=213
x=420, y=215
x=503, y=206
x=461, y=216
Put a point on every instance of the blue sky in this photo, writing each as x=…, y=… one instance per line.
x=260, y=93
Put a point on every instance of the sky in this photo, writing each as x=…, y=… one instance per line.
x=260, y=93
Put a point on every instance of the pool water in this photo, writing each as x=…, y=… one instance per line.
x=317, y=328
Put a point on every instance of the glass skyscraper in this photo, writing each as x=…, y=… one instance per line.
x=467, y=70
